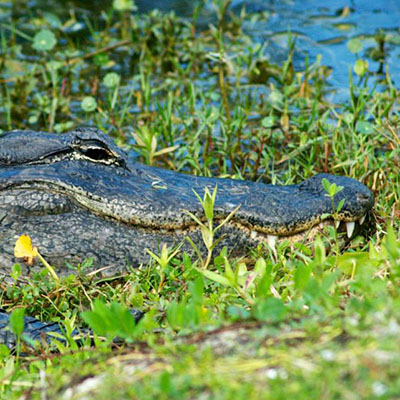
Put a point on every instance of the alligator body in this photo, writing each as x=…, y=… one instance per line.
x=78, y=196
x=36, y=330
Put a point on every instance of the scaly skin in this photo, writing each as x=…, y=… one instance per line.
x=78, y=195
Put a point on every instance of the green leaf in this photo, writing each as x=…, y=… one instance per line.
x=365, y=127
x=340, y=205
x=263, y=286
x=331, y=189
x=175, y=313
x=111, y=80
x=110, y=320
x=124, y=5
x=166, y=383
x=215, y=277
x=44, y=40
x=17, y=321
x=208, y=203
x=350, y=262
x=260, y=267
x=4, y=353
x=361, y=67
x=301, y=276
x=391, y=244
x=268, y=122
x=101, y=59
x=88, y=104
x=15, y=271
x=196, y=288
x=229, y=272
x=319, y=251
x=97, y=319
x=54, y=65
x=238, y=313
x=123, y=320
x=326, y=185
x=52, y=19
x=275, y=98
x=269, y=309
x=355, y=45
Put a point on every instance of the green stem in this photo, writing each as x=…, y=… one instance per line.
x=49, y=268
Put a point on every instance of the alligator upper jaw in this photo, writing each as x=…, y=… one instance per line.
x=97, y=176
x=266, y=212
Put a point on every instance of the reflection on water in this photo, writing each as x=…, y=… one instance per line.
x=326, y=29
x=319, y=28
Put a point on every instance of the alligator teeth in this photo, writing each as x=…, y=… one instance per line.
x=350, y=228
x=271, y=241
x=337, y=223
x=362, y=219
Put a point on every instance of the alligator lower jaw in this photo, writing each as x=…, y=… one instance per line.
x=308, y=234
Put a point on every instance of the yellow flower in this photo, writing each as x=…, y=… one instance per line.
x=24, y=249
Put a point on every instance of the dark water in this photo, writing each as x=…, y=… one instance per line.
x=325, y=30
x=321, y=29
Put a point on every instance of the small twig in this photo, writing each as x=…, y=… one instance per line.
x=99, y=51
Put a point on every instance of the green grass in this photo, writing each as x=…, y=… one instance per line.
x=308, y=321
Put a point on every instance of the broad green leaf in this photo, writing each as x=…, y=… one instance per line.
x=17, y=321
x=260, y=267
x=196, y=288
x=15, y=271
x=361, y=67
x=124, y=5
x=111, y=80
x=88, y=104
x=229, y=272
x=355, y=45
x=301, y=276
x=268, y=122
x=110, y=320
x=215, y=277
x=350, y=262
x=44, y=40
x=269, y=309
x=365, y=127
x=326, y=185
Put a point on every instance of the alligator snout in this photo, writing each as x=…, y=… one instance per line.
x=78, y=195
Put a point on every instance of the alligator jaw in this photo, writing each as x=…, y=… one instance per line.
x=93, y=200
x=271, y=240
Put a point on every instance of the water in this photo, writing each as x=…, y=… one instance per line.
x=320, y=30
x=325, y=30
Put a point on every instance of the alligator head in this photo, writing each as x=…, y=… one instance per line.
x=78, y=195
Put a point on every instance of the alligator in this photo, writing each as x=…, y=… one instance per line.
x=78, y=195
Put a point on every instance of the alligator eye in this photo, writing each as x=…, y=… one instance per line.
x=96, y=153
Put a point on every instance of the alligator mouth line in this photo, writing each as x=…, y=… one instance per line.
x=257, y=233
x=311, y=231
x=314, y=228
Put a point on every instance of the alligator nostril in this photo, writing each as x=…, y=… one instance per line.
x=363, y=198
